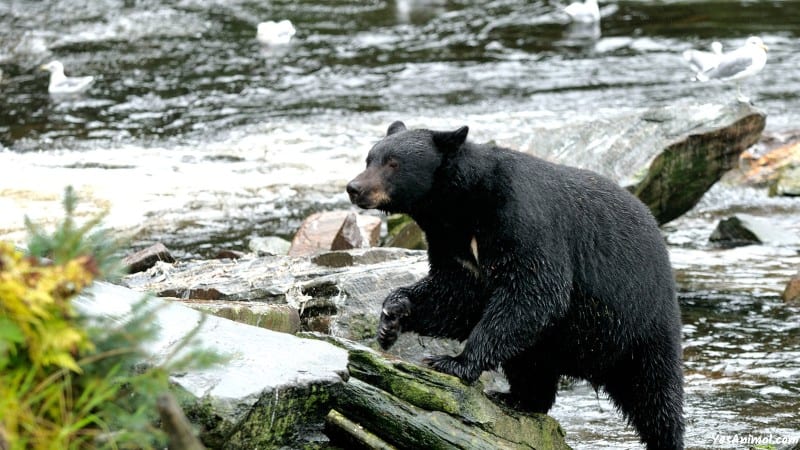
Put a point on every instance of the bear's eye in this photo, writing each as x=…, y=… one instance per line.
x=393, y=163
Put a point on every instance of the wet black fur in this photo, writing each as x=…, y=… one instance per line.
x=572, y=276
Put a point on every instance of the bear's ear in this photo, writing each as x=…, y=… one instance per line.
x=450, y=140
x=396, y=127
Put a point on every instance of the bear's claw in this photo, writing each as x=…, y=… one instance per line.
x=395, y=307
x=452, y=366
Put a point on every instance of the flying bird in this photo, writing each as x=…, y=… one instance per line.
x=275, y=33
x=61, y=84
x=587, y=11
x=702, y=61
x=736, y=65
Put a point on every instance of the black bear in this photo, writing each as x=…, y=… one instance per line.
x=545, y=270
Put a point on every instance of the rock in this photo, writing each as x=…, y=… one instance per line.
x=410, y=406
x=668, y=157
x=731, y=232
x=744, y=229
x=269, y=246
x=792, y=292
x=342, y=297
x=766, y=169
x=274, y=390
x=351, y=235
x=147, y=258
x=319, y=230
x=282, y=318
x=405, y=233
x=229, y=254
x=788, y=182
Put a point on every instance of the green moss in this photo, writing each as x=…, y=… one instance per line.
x=404, y=233
x=680, y=175
x=422, y=387
x=278, y=419
x=363, y=326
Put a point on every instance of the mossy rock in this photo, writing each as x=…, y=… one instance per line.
x=281, y=318
x=405, y=233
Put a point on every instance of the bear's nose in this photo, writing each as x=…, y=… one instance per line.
x=353, y=189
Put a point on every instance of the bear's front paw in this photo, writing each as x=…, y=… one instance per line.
x=395, y=307
x=453, y=366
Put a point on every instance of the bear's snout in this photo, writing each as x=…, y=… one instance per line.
x=367, y=192
x=353, y=190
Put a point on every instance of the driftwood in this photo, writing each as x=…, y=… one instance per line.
x=389, y=403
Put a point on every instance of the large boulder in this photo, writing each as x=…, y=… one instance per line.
x=274, y=389
x=668, y=157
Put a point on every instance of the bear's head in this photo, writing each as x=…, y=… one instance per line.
x=402, y=167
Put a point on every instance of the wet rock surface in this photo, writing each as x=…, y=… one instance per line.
x=339, y=292
x=273, y=390
x=668, y=157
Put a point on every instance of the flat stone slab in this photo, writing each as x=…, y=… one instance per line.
x=263, y=366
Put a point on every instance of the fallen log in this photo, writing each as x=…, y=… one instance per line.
x=407, y=406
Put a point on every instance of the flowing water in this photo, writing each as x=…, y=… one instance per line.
x=197, y=135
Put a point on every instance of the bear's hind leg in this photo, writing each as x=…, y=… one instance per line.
x=533, y=386
x=651, y=398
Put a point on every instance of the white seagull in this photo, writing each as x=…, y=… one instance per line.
x=744, y=62
x=583, y=12
x=702, y=61
x=275, y=33
x=62, y=84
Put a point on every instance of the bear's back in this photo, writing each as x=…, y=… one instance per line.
x=611, y=242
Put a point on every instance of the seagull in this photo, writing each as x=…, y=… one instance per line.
x=275, y=33
x=583, y=12
x=744, y=62
x=62, y=84
x=703, y=61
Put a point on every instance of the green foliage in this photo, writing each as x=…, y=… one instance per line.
x=68, y=382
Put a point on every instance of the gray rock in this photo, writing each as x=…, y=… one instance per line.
x=273, y=390
x=668, y=157
x=744, y=229
x=346, y=292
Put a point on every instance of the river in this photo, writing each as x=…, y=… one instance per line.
x=196, y=135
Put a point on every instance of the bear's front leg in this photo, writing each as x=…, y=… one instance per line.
x=396, y=307
x=511, y=322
